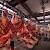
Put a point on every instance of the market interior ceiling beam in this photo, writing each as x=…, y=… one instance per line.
x=46, y=14
x=46, y=23
x=13, y=3
x=41, y=14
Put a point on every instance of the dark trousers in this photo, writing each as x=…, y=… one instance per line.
x=12, y=45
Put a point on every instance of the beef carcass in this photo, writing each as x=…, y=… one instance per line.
x=5, y=38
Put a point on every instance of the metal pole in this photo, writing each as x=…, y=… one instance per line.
x=43, y=13
x=43, y=8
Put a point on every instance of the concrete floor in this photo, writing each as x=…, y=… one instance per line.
x=43, y=45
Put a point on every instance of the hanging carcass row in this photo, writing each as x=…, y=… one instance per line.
x=29, y=38
x=6, y=27
x=4, y=39
x=21, y=30
x=7, y=24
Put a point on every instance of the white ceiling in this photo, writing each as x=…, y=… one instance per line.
x=36, y=7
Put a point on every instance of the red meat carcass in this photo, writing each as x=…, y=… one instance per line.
x=31, y=27
x=5, y=38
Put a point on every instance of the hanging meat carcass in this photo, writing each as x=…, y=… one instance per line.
x=18, y=24
x=41, y=31
x=32, y=32
x=37, y=29
x=7, y=25
x=31, y=26
x=5, y=38
x=1, y=30
x=4, y=18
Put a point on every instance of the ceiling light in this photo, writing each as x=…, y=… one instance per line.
x=25, y=19
x=47, y=20
x=46, y=10
x=1, y=5
x=47, y=16
x=41, y=21
x=33, y=18
x=9, y=10
x=39, y=17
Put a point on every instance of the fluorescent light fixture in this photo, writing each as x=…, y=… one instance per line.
x=39, y=17
x=25, y=19
x=9, y=10
x=6, y=8
x=33, y=18
x=41, y=21
x=1, y=5
x=47, y=20
x=46, y=10
x=47, y=16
